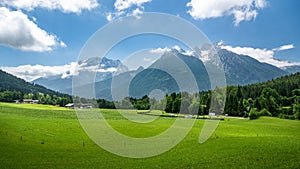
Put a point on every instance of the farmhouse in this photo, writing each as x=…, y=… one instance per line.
x=82, y=106
x=86, y=106
x=212, y=114
x=30, y=101
x=70, y=105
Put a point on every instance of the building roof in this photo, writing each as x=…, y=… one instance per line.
x=69, y=105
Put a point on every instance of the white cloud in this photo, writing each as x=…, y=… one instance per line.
x=32, y=72
x=177, y=48
x=205, y=57
x=189, y=53
x=262, y=55
x=146, y=57
x=242, y=10
x=160, y=50
x=220, y=43
x=136, y=13
x=67, y=6
x=245, y=15
x=124, y=8
x=111, y=69
x=122, y=5
x=167, y=49
x=109, y=17
x=62, y=44
x=115, y=15
x=18, y=31
x=284, y=47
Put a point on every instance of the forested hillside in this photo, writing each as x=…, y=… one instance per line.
x=13, y=88
x=278, y=98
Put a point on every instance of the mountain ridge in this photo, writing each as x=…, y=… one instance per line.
x=239, y=70
x=103, y=67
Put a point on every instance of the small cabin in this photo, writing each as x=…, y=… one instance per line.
x=81, y=106
x=30, y=101
x=70, y=105
x=86, y=106
x=212, y=114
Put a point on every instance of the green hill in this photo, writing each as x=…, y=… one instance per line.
x=13, y=88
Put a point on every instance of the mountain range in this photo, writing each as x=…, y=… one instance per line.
x=105, y=68
x=292, y=69
x=240, y=69
x=114, y=80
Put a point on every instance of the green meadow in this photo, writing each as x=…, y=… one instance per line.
x=39, y=136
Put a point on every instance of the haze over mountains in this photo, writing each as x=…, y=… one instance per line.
x=104, y=69
x=292, y=69
x=238, y=69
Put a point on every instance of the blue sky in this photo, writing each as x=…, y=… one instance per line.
x=264, y=29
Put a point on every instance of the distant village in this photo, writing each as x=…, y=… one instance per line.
x=69, y=105
x=27, y=101
x=81, y=106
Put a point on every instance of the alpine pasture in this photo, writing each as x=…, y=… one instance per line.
x=38, y=136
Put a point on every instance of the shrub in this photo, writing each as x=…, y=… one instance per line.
x=296, y=108
x=265, y=112
x=194, y=108
x=253, y=114
x=297, y=116
x=291, y=117
x=286, y=110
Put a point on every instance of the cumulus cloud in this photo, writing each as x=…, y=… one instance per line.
x=189, y=53
x=242, y=10
x=32, y=72
x=21, y=32
x=136, y=13
x=284, y=47
x=18, y=31
x=167, y=49
x=67, y=6
x=176, y=47
x=262, y=55
x=160, y=50
x=121, y=5
x=125, y=8
x=109, y=16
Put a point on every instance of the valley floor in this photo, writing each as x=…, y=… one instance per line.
x=50, y=137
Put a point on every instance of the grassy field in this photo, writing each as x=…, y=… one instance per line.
x=37, y=136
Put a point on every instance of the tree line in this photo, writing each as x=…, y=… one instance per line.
x=12, y=96
x=13, y=88
x=277, y=98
